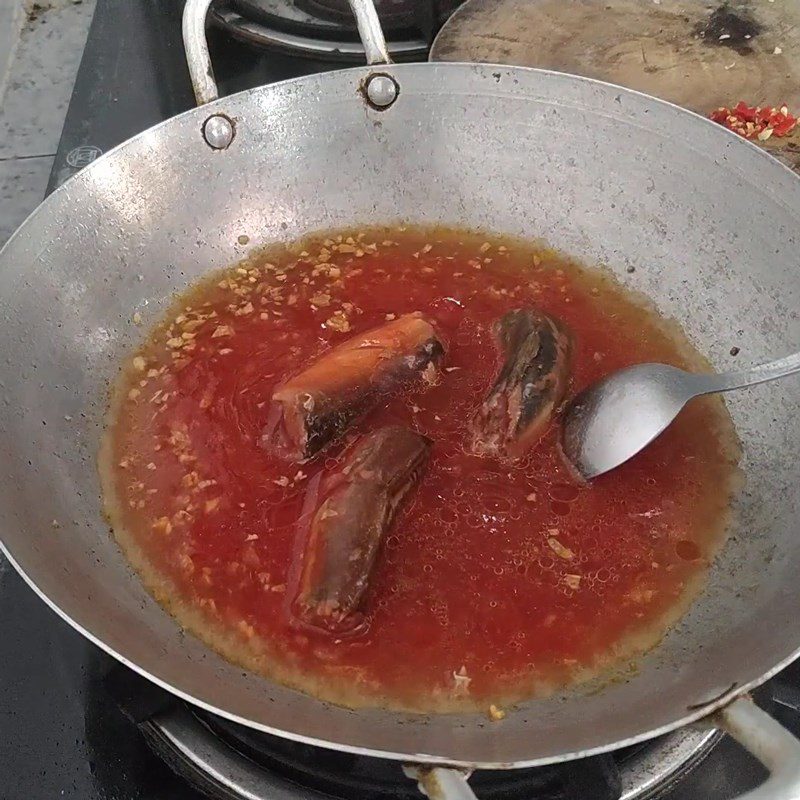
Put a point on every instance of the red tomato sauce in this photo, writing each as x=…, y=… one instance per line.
x=497, y=581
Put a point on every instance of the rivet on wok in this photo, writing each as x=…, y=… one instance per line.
x=218, y=131
x=381, y=90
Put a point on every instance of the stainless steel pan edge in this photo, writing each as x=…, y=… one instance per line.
x=121, y=184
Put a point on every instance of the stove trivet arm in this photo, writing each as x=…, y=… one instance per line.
x=765, y=738
x=441, y=783
x=197, y=55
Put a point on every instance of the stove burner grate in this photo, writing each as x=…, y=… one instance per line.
x=316, y=28
x=230, y=762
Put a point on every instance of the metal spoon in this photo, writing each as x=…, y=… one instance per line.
x=615, y=418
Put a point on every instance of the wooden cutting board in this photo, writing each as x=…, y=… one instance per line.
x=695, y=53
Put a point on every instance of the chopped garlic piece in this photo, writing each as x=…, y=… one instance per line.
x=559, y=549
x=462, y=681
x=573, y=581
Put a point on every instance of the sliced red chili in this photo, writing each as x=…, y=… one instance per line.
x=745, y=112
x=752, y=121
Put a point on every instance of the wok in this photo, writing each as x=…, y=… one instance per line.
x=702, y=222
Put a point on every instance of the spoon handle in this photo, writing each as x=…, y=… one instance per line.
x=726, y=381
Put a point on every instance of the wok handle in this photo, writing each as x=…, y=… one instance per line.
x=370, y=32
x=197, y=55
x=765, y=738
x=198, y=58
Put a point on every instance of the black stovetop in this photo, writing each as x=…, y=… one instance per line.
x=63, y=733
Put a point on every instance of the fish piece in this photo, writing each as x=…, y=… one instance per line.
x=531, y=384
x=314, y=407
x=354, y=509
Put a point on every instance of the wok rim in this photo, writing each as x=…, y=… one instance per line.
x=694, y=714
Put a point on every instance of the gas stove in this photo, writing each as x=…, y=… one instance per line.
x=76, y=724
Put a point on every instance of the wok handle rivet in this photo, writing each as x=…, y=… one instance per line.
x=381, y=90
x=218, y=131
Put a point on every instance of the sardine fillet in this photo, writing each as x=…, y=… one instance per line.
x=314, y=407
x=357, y=504
x=534, y=377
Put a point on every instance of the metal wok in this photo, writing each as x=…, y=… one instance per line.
x=709, y=223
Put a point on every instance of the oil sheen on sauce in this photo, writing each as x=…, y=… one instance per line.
x=498, y=582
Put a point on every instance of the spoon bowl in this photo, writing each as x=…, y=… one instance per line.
x=612, y=420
